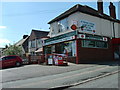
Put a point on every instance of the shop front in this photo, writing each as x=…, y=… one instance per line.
x=80, y=47
x=63, y=44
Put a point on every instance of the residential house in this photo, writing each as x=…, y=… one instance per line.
x=23, y=43
x=36, y=41
x=85, y=33
x=1, y=51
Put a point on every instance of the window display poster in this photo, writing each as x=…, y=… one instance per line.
x=50, y=60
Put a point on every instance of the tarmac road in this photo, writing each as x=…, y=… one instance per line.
x=53, y=76
x=105, y=82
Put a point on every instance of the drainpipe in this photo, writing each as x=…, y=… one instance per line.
x=113, y=30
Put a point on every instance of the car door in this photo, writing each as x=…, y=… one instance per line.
x=7, y=61
x=10, y=60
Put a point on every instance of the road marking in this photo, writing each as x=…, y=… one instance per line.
x=48, y=81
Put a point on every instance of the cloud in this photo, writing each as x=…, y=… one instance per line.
x=2, y=27
x=4, y=42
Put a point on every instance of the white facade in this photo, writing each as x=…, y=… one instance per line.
x=103, y=27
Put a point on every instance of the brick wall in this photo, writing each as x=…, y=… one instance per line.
x=87, y=55
x=71, y=59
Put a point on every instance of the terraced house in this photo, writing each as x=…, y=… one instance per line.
x=87, y=34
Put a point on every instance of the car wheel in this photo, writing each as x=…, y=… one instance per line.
x=18, y=64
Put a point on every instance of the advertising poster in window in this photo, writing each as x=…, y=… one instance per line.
x=50, y=60
x=88, y=27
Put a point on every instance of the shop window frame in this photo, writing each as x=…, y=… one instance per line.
x=82, y=44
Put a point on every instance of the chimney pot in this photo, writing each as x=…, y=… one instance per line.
x=24, y=36
x=112, y=10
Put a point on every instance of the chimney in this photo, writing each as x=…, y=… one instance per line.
x=100, y=6
x=112, y=10
x=24, y=36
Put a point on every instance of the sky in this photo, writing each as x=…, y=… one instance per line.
x=19, y=18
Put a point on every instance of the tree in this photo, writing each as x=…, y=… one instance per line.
x=13, y=50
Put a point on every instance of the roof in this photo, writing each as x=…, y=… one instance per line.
x=21, y=41
x=38, y=34
x=84, y=9
x=39, y=50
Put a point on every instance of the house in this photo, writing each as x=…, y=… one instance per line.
x=23, y=43
x=85, y=33
x=1, y=51
x=36, y=41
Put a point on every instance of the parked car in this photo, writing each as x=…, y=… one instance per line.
x=8, y=61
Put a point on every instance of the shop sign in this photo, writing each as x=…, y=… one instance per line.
x=94, y=37
x=60, y=38
x=73, y=27
x=82, y=36
x=105, y=39
x=87, y=26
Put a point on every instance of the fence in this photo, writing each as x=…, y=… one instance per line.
x=36, y=59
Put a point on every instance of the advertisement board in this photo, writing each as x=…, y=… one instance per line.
x=87, y=26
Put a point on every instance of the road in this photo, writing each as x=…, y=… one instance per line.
x=105, y=82
x=42, y=76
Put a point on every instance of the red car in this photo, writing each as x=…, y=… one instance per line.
x=8, y=61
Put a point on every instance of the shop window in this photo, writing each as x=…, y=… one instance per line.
x=48, y=50
x=61, y=48
x=68, y=47
x=94, y=44
x=53, y=49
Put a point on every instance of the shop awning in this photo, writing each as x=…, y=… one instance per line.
x=39, y=50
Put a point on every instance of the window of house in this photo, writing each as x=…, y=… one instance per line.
x=33, y=44
x=39, y=43
x=52, y=30
x=62, y=25
x=94, y=44
x=30, y=44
